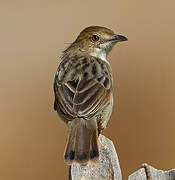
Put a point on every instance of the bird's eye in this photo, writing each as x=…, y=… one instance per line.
x=95, y=37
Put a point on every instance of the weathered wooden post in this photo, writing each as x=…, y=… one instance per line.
x=147, y=172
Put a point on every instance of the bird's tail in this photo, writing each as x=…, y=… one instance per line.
x=82, y=143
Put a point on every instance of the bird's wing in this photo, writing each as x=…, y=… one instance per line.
x=86, y=89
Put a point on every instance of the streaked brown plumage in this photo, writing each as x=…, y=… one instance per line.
x=83, y=91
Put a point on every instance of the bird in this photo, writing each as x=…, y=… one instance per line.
x=83, y=88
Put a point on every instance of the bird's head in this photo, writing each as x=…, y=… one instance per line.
x=98, y=41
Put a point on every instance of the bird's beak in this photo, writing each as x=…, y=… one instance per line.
x=118, y=38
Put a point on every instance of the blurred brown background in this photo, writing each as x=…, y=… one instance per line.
x=32, y=36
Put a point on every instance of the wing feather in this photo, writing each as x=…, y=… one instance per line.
x=83, y=94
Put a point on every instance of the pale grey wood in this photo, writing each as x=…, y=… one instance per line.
x=107, y=168
x=148, y=172
x=170, y=174
x=138, y=175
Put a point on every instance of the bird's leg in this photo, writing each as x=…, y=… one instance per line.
x=99, y=131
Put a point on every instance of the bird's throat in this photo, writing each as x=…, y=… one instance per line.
x=99, y=53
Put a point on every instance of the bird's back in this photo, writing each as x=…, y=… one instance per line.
x=82, y=87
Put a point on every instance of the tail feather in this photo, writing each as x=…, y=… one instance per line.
x=69, y=154
x=94, y=152
x=82, y=144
